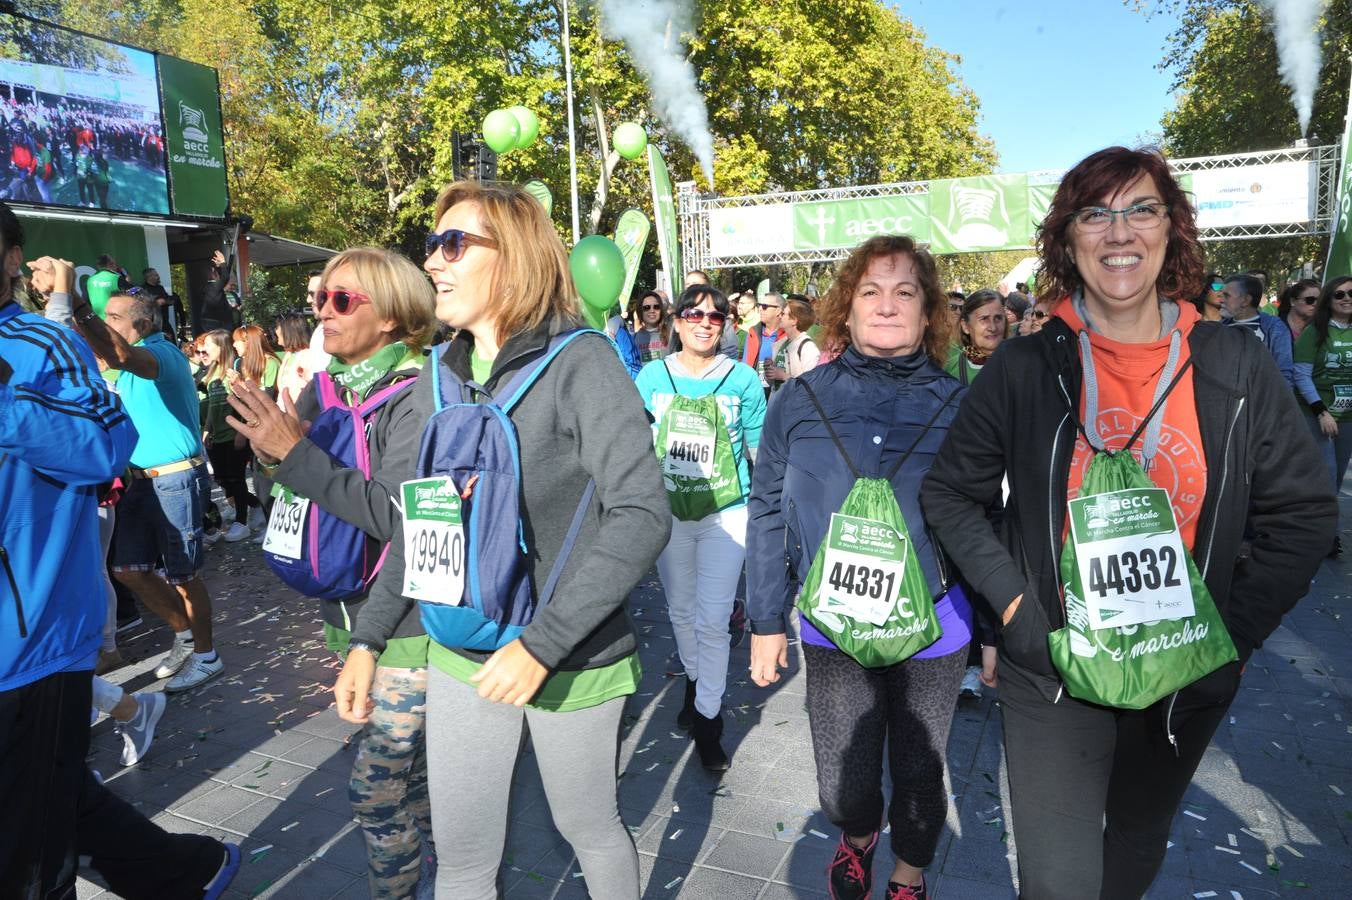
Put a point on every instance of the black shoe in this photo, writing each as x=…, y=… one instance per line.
x=686, y=717
x=708, y=733
x=126, y=623
x=737, y=624
x=850, y=874
x=1337, y=550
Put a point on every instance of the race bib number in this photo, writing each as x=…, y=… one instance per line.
x=1131, y=558
x=690, y=445
x=286, y=525
x=862, y=570
x=434, y=541
x=1342, y=399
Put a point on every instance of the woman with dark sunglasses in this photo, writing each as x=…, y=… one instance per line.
x=653, y=334
x=501, y=278
x=1210, y=301
x=376, y=310
x=1323, y=356
x=1296, y=305
x=707, y=411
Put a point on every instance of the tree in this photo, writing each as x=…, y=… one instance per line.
x=1230, y=100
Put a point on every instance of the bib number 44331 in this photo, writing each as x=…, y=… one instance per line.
x=434, y=541
x=862, y=570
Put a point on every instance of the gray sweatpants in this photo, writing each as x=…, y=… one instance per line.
x=472, y=748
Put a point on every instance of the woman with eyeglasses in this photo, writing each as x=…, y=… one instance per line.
x=707, y=413
x=588, y=478
x=653, y=336
x=982, y=326
x=1171, y=436
x=1323, y=356
x=866, y=425
x=1296, y=305
x=376, y=310
x=1210, y=300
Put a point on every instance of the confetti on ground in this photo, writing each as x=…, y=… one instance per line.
x=289, y=827
x=1188, y=812
x=1227, y=849
x=815, y=833
x=1337, y=790
x=1293, y=851
x=1250, y=868
x=1278, y=746
x=675, y=807
x=1202, y=895
x=1299, y=884
x=1234, y=842
x=673, y=882
x=323, y=792
x=679, y=831
x=1236, y=895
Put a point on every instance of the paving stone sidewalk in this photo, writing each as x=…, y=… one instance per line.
x=259, y=757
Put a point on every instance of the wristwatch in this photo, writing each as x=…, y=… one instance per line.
x=362, y=645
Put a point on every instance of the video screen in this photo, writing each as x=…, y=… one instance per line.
x=79, y=121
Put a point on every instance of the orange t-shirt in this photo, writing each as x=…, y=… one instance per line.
x=1127, y=375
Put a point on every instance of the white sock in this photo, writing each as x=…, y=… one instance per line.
x=205, y=657
x=183, y=637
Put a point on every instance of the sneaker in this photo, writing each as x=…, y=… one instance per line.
x=1337, y=549
x=906, y=891
x=256, y=518
x=196, y=672
x=261, y=538
x=237, y=532
x=224, y=875
x=108, y=661
x=174, y=659
x=971, y=683
x=211, y=537
x=140, y=731
x=127, y=623
x=850, y=875
x=737, y=623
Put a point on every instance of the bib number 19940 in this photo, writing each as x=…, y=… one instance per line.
x=434, y=541
x=286, y=525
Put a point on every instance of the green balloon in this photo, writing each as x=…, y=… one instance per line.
x=501, y=130
x=598, y=272
x=529, y=124
x=630, y=140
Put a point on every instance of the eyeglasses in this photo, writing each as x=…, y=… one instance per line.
x=695, y=316
x=1141, y=217
x=767, y=306
x=1341, y=295
x=651, y=308
x=344, y=302
x=1218, y=285
x=955, y=307
x=453, y=242
x=1039, y=314
x=1308, y=301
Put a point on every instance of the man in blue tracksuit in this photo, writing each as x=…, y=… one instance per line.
x=62, y=433
x=1242, y=295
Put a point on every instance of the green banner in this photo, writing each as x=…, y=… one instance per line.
x=987, y=212
x=631, y=235
x=1040, y=194
x=540, y=191
x=830, y=224
x=1340, y=242
x=83, y=242
x=664, y=213
x=194, y=138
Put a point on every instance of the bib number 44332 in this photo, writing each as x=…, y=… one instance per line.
x=434, y=541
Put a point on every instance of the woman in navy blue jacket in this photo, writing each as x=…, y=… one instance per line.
x=884, y=395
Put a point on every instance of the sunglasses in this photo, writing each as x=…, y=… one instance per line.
x=955, y=307
x=1039, y=314
x=1218, y=285
x=695, y=316
x=651, y=308
x=453, y=242
x=1308, y=301
x=767, y=306
x=344, y=302
x=1341, y=295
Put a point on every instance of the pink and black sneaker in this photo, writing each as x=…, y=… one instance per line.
x=906, y=891
x=850, y=874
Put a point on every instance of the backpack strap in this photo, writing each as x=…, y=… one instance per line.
x=381, y=397
x=569, y=539
x=721, y=381
x=826, y=421
x=525, y=377
x=327, y=391
x=928, y=425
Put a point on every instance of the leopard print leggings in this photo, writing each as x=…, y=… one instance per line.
x=852, y=711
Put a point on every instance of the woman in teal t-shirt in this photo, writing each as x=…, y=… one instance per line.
x=703, y=561
x=1323, y=356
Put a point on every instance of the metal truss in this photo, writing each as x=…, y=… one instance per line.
x=694, y=208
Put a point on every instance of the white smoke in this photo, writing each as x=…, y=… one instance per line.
x=651, y=31
x=1294, y=25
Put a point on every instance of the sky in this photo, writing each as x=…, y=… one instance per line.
x=1057, y=79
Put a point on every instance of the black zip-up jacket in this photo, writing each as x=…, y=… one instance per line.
x=1022, y=416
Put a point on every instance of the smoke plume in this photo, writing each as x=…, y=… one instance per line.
x=651, y=31
x=1295, y=27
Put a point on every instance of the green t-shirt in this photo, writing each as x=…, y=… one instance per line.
x=562, y=691
x=479, y=367
x=271, y=366
x=959, y=366
x=400, y=652
x=218, y=407
x=1332, y=362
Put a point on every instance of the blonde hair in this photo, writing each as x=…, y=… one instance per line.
x=531, y=283
x=225, y=354
x=398, y=290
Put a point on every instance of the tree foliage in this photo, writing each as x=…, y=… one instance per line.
x=1230, y=100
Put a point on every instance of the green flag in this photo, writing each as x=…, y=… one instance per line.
x=664, y=213
x=631, y=235
x=1340, y=242
x=540, y=191
x=194, y=138
x=987, y=212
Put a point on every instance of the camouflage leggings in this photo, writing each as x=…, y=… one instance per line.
x=388, y=790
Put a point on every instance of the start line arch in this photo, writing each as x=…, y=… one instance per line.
x=1289, y=192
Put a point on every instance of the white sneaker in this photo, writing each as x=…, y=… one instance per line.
x=256, y=518
x=194, y=673
x=140, y=731
x=173, y=660
x=238, y=532
x=971, y=683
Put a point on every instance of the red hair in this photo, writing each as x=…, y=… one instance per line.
x=1096, y=178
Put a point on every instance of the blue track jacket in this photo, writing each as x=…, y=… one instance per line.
x=62, y=433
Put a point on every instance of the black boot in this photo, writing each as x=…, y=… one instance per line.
x=708, y=733
x=686, y=717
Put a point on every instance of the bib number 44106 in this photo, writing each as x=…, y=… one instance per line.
x=434, y=541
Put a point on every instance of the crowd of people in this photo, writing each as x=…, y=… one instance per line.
x=1104, y=525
